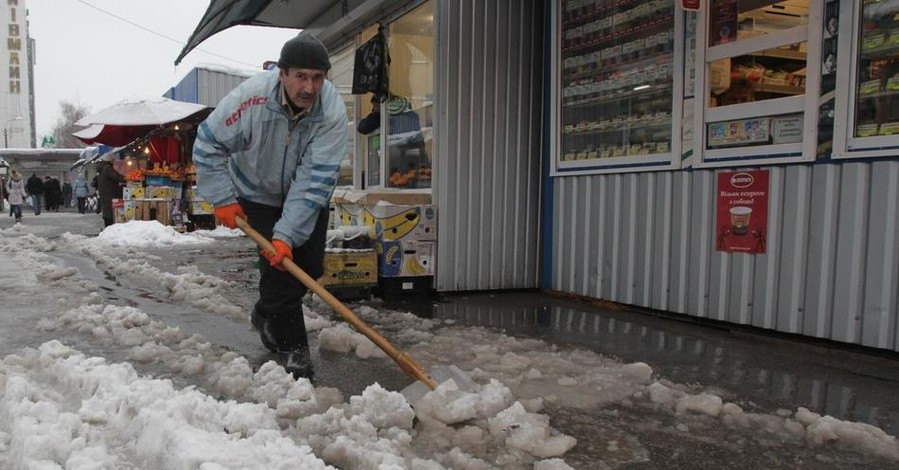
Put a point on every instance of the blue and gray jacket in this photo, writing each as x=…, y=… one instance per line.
x=249, y=148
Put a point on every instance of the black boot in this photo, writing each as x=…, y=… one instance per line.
x=297, y=363
x=263, y=326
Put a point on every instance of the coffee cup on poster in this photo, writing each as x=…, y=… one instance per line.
x=739, y=219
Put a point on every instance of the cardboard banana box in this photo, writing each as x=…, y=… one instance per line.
x=405, y=258
x=350, y=268
x=395, y=222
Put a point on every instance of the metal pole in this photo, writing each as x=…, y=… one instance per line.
x=6, y=137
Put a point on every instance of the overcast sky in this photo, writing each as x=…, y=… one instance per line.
x=96, y=53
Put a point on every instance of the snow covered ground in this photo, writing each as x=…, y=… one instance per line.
x=89, y=383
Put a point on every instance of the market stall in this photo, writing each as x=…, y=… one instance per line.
x=156, y=162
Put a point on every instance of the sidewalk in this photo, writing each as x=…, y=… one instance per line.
x=770, y=370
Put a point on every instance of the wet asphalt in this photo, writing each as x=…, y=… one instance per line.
x=759, y=370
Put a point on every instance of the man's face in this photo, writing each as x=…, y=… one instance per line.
x=302, y=85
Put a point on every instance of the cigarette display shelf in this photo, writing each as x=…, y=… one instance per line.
x=616, y=77
x=598, y=70
x=617, y=37
x=654, y=91
x=598, y=10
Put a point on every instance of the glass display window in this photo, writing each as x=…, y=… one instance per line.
x=617, y=85
x=867, y=111
x=369, y=141
x=761, y=81
x=396, y=144
x=407, y=109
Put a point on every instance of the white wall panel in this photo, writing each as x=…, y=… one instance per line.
x=831, y=267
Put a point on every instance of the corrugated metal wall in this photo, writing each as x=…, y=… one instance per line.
x=831, y=269
x=205, y=86
x=488, y=138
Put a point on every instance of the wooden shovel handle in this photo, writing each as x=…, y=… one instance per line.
x=409, y=365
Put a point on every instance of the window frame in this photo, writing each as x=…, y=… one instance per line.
x=625, y=164
x=807, y=104
x=845, y=145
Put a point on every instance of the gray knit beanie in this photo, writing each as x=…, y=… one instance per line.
x=304, y=51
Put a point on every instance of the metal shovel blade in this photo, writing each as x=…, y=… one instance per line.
x=440, y=374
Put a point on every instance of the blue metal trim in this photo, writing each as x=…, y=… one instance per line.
x=546, y=274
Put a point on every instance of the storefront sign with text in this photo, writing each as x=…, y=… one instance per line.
x=742, y=224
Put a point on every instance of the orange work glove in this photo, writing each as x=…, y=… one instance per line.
x=282, y=250
x=228, y=212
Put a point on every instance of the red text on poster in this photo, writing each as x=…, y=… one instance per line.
x=742, y=223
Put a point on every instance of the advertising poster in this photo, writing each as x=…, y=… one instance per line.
x=723, y=28
x=742, y=222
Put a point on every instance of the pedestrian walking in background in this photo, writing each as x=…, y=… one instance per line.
x=54, y=194
x=109, y=187
x=35, y=188
x=15, y=193
x=270, y=153
x=66, y=194
x=80, y=192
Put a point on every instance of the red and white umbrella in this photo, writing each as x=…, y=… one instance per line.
x=147, y=112
x=126, y=121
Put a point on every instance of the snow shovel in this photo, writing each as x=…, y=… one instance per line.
x=413, y=392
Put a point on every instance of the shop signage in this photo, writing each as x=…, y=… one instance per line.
x=742, y=223
x=14, y=45
x=690, y=5
x=787, y=129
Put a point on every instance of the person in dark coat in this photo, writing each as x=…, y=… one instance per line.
x=35, y=187
x=66, y=194
x=109, y=187
x=54, y=194
x=48, y=194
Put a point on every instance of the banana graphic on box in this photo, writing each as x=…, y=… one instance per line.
x=414, y=267
x=396, y=226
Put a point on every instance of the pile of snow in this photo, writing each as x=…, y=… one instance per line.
x=151, y=233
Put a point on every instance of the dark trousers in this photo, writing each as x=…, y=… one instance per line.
x=81, y=204
x=280, y=293
x=16, y=210
x=36, y=203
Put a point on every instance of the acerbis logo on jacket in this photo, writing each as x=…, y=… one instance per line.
x=252, y=101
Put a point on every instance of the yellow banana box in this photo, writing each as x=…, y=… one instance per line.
x=200, y=207
x=193, y=195
x=118, y=211
x=159, y=210
x=350, y=268
x=134, y=192
x=162, y=192
x=405, y=258
x=348, y=214
x=395, y=222
x=128, y=210
x=123, y=210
